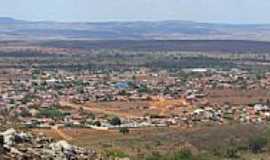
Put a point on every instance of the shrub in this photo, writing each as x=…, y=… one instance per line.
x=257, y=144
x=97, y=123
x=232, y=152
x=115, y=121
x=183, y=155
x=115, y=154
x=180, y=155
x=91, y=116
x=124, y=130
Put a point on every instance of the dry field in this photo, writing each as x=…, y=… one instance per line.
x=237, y=97
x=133, y=109
x=146, y=140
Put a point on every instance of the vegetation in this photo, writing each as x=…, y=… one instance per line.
x=115, y=121
x=170, y=55
x=257, y=144
x=112, y=154
x=229, y=142
x=124, y=130
x=97, y=123
x=180, y=155
x=52, y=112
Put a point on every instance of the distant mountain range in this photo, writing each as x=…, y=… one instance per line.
x=11, y=29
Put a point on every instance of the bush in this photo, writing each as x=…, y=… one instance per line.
x=232, y=152
x=183, y=155
x=115, y=154
x=180, y=155
x=91, y=116
x=257, y=144
x=115, y=121
x=124, y=130
x=97, y=123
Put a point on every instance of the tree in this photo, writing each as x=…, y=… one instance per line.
x=97, y=123
x=124, y=130
x=91, y=115
x=116, y=121
x=53, y=112
x=268, y=102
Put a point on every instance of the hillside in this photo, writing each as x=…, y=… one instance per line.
x=18, y=29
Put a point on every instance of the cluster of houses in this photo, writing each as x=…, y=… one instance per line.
x=226, y=114
x=32, y=96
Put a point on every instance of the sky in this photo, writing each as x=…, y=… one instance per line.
x=219, y=11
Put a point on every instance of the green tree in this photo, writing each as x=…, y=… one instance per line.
x=115, y=121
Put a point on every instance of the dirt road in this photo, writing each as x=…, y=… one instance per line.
x=61, y=134
x=96, y=110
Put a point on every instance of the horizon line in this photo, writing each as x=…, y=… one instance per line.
x=135, y=21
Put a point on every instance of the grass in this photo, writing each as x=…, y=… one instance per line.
x=209, y=143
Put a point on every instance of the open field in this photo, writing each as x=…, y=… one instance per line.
x=237, y=96
x=136, y=109
x=133, y=109
x=143, y=141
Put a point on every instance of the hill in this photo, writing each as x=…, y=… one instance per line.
x=141, y=30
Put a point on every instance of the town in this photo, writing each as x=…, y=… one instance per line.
x=73, y=102
x=134, y=80
x=131, y=99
